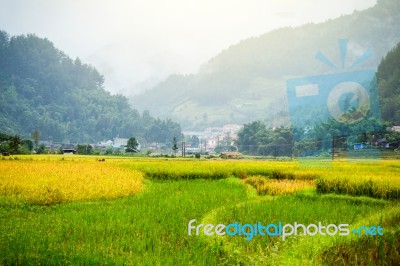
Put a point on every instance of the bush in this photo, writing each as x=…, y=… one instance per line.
x=41, y=149
x=109, y=151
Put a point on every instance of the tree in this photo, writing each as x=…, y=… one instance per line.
x=4, y=142
x=251, y=136
x=84, y=149
x=41, y=149
x=36, y=135
x=194, y=141
x=132, y=145
x=175, y=146
x=225, y=144
x=28, y=144
x=81, y=149
x=15, y=141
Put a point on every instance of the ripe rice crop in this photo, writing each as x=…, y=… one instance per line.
x=265, y=186
x=52, y=182
x=377, y=180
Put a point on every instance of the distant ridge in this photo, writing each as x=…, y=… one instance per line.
x=246, y=81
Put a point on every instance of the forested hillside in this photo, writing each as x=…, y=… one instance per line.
x=247, y=80
x=43, y=89
x=389, y=86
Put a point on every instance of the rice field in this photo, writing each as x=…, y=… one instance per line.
x=54, y=182
x=61, y=210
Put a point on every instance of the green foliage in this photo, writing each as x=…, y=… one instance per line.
x=4, y=137
x=139, y=230
x=43, y=89
x=256, y=139
x=132, y=145
x=389, y=86
x=383, y=250
x=84, y=149
x=11, y=144
x=175, y=145
x=108, y=151
x=36, y=137
x=41, y=149
x=28, y=144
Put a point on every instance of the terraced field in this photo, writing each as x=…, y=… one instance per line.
x=79, y=210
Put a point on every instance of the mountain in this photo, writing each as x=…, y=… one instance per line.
x=43, y=89
x=246, y=82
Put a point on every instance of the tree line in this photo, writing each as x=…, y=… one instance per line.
x=43, y=89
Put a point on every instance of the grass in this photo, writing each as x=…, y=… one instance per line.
x=145, y=229
x=135, y=211
x=382, y=250
x=302, y=208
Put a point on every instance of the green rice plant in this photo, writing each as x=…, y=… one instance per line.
x=381, y=250
x=147, y=229
x=264, y=250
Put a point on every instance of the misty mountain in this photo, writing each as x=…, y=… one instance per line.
x=43, y=89
x=246, y=82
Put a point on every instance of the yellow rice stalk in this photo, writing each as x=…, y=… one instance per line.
x=51, y=182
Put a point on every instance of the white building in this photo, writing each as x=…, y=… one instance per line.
x=396, y=128
x=118, y=142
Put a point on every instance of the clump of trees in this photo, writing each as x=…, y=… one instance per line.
x=256, y=139
x=13, y=144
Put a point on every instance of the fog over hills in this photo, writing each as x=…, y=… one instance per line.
x=246, y=81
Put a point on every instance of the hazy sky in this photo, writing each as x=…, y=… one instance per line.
x=135, y=43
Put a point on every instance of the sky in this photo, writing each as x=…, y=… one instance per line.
x=137, y=43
